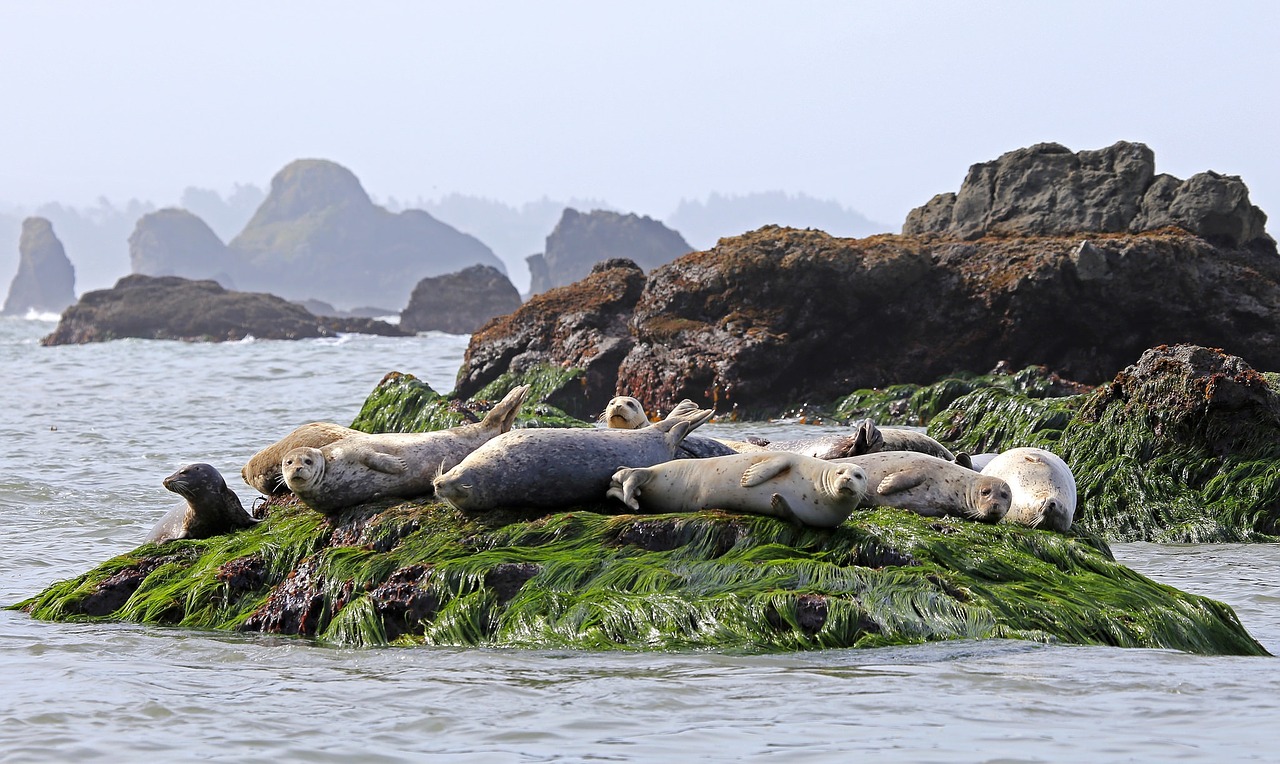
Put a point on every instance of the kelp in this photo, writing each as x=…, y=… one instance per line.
x=421, y=573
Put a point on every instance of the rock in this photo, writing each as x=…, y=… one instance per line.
x=1046, y=190
x=319, y=235
x=174, y=242
x=579, y=241
x=581, y=326
x=45, y=281
x=459, y=303
x=419, y=573
x=174, y=308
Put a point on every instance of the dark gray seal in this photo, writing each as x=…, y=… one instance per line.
x=549, y=468
x=211, y=509
x=931, y=486
x=364, y=467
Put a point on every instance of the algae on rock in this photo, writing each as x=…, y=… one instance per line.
x=413, y=573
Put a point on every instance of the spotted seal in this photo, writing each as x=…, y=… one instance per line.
x=211, y=508
x=262, y=471
x=625, y=413
x=931, y=486
x=803, y=489
x=364, y=466
x=557, y=468
x=1044, y=490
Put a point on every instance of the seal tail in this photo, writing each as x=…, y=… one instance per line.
x=503, y=415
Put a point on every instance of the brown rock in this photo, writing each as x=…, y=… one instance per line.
x=459, y=303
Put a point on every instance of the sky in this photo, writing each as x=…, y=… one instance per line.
x=878, y=105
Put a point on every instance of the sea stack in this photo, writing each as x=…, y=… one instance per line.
x=45, y=281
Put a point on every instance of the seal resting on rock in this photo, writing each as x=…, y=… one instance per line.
x=262, y=471
x=363, y=467
x=550, y=468
x=624, y=413
x=931, y=486
x=1044, y=490
x=803, y=489
x=211, y=509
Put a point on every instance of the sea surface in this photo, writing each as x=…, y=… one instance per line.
x=89, y=431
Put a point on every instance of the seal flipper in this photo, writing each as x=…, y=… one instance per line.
x=964, y=460
x=503, y=415
x=868, y=439
x=382, y=462
x=764, y=471
x=676, y=426
x=782, y=509
x=904, y=480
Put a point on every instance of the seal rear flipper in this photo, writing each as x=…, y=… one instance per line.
x=867, y=439
x=901, y=481
x=676, y=428
x=503, y=415
x=625, y=486
x=764, y=471
x=382, y=462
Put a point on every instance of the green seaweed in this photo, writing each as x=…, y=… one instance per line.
x=422, y=573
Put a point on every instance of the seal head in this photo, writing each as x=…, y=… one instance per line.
x=1043, y=488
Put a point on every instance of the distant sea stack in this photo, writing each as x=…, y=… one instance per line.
x=1048, y=190
x=46, y=280
x=319, y=235
x=174, y=242
x=459, y=303
x=580, y=240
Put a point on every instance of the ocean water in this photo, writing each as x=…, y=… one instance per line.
x=89, y=432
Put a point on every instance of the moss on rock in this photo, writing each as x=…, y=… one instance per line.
x=414, y=573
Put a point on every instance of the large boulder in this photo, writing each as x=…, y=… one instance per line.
x=174, y=242
x=459, y=303
x=174, y=308
x=582, y=326
x=319, y=235
x=1047, y=189
x=580, y=240
x=45, y=281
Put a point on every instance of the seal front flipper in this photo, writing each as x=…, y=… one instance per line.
x=383, y=462
x=782, y=509
x=763, y=471
x=904, y=480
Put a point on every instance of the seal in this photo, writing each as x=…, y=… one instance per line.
x=211, y=509
x=626, y=413
x=548, y=468
x=1044, y=490
x=364, y=467
x=803, y=489
x=262, y=471
x=931, y=486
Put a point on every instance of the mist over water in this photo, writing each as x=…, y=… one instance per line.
x=91, y=430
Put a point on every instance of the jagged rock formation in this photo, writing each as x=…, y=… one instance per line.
x=319, y=235
x=1047, y=190
x=583, y=325
x=174, y=308
x=459, y=303
x=174, y=242
x=45, y=281
x=579, y=241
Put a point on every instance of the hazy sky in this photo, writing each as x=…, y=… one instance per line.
x=877, y=105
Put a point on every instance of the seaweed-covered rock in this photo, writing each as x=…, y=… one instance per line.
x=174, y=308
x=1183, y=446
x=1047, y=189
x=45, y=281
x=420, y=573
x=580, y=329
x=459, y=303
x=580, y=240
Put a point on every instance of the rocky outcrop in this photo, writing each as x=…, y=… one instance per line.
x=174, y=242
x=174, y=308
x=319, y=235
x=1048, y=190
x=459, y=303
x=580, y=240
x=583, y=326
x=45, y=281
